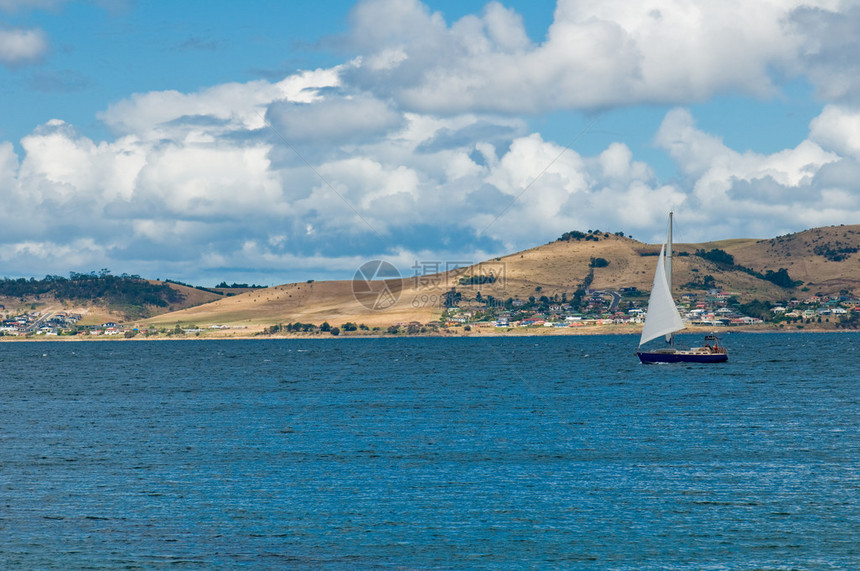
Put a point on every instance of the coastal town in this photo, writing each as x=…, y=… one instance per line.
x=627, y=307
x=714, y=308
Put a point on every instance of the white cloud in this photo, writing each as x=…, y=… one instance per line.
x=706, y=158
x=62, y=167
x=20, y=47
x=756, y=195
x=558, y=190
x=432, y=185
x=220, y=109
x=208, y=181
x=597, y=53
x=838, y=128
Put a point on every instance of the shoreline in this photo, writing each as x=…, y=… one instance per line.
x=484, y=333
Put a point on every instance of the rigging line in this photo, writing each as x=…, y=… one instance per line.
x=316, y=172
x=541, y=173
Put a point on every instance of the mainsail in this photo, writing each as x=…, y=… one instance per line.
x=663, y=317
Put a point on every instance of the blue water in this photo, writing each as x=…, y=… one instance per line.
x=429, y=453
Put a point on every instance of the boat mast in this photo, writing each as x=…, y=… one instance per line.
x=670, y=338
x=668, y=260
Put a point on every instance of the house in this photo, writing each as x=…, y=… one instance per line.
x=745, y=320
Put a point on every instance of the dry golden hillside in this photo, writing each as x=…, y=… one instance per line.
x=190, y=295
x=825, y=260
x=314, y=302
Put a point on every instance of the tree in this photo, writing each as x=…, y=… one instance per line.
x=756, y=308
x=717, y=256
x=780, y=278
x=451, y=298
x=325, y=327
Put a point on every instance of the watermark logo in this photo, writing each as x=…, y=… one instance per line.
x=459, y=274
x=447, y=283
x=377, y=285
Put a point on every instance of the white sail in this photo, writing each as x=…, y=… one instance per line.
x=663, y=317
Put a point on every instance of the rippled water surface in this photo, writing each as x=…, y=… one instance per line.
x=559, y=452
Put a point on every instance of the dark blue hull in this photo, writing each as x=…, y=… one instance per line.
x=681, y=357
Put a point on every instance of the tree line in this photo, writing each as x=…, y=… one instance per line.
x=117, y=291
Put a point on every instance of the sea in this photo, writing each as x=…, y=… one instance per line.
x=551, y=452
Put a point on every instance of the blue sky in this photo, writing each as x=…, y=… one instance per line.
x=272, y=142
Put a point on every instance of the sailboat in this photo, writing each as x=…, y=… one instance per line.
x=663, y=319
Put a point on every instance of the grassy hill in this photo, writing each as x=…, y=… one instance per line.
x=821, y=260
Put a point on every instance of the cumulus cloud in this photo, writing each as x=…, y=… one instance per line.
x=597, y=53
x=838, y=128
x=743, y=194
x=235, y=106
x=211, y=203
